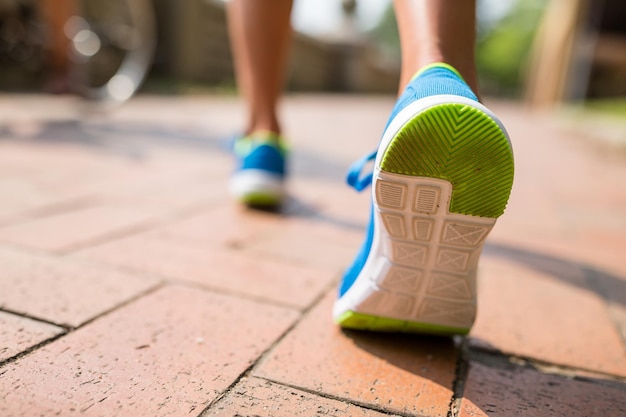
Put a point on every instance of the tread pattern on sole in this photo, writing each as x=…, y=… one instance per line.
x=460, y=144
x=443, y=180
x=424, y=274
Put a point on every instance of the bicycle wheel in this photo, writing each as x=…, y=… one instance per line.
x=114, y=43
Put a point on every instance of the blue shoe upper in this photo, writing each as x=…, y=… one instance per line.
x=433, y=80
x=260, y=153
x=436, y=79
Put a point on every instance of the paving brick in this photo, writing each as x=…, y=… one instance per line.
x=58, y=174
x=552, y=317
x=573, y=207
x=18, y=194
x=67, y=231
x=612, y=287
x=521, y=391
x=313, y=241
x=214, y=116
x=63, y=291
x=332, y=202
x=168, y=354
x=258, y=397
x=618, y=314
x=61, y=175
x=224, y=269
x=177, y=196
x=541, y=233
x=228, y=224
x=21, y=199
x=101, y=208
x=395, y=373
x=18, y=334
x=333, y=132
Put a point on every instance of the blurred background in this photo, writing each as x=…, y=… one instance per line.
x=548, y=53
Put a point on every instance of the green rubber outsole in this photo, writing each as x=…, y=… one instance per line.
x=261, y=200
x=460, y=144
x=360, y=321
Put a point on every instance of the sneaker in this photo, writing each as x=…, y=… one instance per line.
x=442, y=175
x=259, y=179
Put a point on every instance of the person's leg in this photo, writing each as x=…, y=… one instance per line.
x=56, y=13
x=437, y=31
x=442, y=175
x=260, y=34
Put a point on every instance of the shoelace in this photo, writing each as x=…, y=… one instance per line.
x=355, y=178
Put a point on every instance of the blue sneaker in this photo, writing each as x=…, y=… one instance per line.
x=442, y=175
x=259, y=178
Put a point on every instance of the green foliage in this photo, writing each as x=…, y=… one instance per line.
x=615, y=107
x=385, y=34
x=504, y=46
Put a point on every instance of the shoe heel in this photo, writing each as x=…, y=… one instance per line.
x=441, y=180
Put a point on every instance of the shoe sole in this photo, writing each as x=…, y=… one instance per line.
x=443, y=175
x=257, y=188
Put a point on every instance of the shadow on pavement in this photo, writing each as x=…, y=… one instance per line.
x=605, y=284
x=126, y=139
x=133, y=140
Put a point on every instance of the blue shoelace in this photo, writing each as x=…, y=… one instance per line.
x=355, y=178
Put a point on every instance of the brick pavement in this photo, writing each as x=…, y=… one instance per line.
x=130, y=285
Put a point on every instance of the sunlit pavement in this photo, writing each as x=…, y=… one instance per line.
x=131, y=285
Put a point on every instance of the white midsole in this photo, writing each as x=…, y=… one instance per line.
x=255, y=181
x=400, y=287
